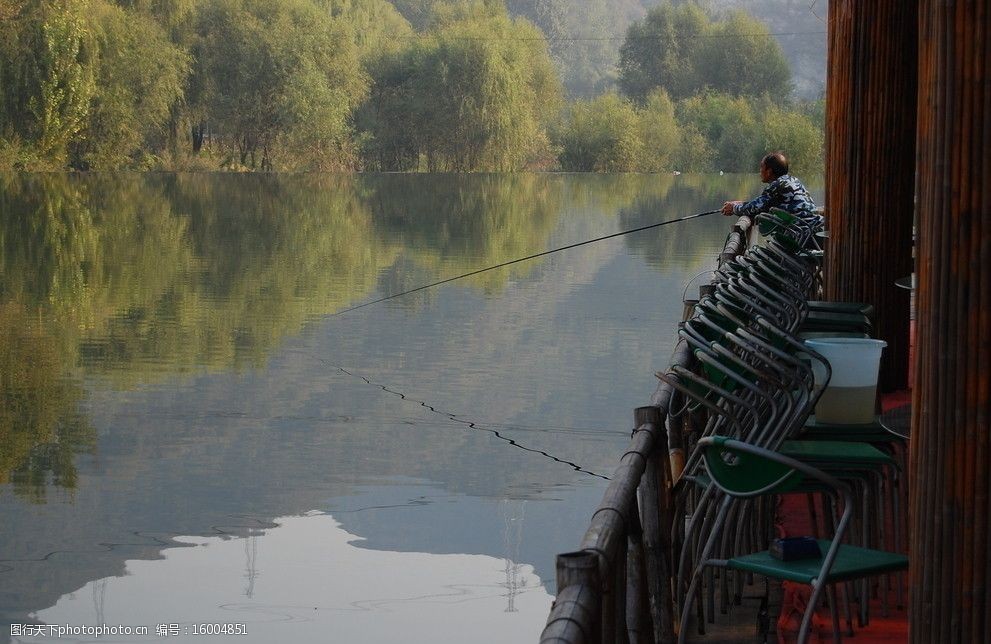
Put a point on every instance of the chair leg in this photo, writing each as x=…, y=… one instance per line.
x=813, y=516
x=865, y=589
x=803, y=633
x=899, y=546
x=884, y=582
x=834, y=613
x=740, y=542
x=829, y=519
x=710, y=584
x=763, y=614
x=697, y=575
x=686, y=551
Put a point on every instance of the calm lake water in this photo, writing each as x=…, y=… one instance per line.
x=190, y=436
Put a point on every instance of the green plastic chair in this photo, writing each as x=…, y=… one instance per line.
x=744, y=471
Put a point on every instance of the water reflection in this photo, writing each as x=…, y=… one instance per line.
x=169, y=354
x=341, y=598
x=460, y=225
x=41, y=427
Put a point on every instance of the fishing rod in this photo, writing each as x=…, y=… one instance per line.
x=527, y=258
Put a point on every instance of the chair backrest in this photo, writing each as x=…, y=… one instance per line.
x=745, y=471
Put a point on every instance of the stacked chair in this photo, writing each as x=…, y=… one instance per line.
x=752, y=395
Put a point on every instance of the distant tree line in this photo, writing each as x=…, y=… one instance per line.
x=409, y=85
x=699, y=95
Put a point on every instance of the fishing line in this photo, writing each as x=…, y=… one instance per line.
x=524, y=259
x=470, y=424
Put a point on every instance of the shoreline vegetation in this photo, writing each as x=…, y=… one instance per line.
x=374, y=85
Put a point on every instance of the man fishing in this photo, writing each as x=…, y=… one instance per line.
x=783, y=191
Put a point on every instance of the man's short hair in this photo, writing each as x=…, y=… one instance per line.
x=776, y=162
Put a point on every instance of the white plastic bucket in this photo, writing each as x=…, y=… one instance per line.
x=850, y=397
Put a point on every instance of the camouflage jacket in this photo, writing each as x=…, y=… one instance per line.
x=785, y=192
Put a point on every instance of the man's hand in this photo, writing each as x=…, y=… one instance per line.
x=728, y=207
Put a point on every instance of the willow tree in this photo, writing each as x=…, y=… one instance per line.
x=47, y=71
x=601, y=135
x=659, y=51
x=487, y=90
x=797, y=134
x=377, y=27
x=659, y=132
x=681, y=49
x=417, y=12
x=579, y=38
x=278, y=80
x=729, y=125
x=740, y=57
x=476, y=93
x=140, y=76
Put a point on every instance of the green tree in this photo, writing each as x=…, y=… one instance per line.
x=417, y=12
x=730, y=126
x=796, y=134
x=277, y=75
x=476, y=94
x=601, y=135
x=815, y=110
x=489, y=89
x=47, y=71
x=140, y=77
x=376, y=25
x=682, y=50
x=740, y=57
x=661, y=50
x=9, y=9
x=382, y=122
x=388, y=129
x=171, y=14
x=695, y=154
x=578, y=38
x=659, y=132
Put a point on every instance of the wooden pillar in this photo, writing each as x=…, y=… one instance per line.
x=870, y=165
x=950, y=456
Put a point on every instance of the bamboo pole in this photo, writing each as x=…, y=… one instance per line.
x=870, y=163
x=621, y=632
x=638, y=618
x=574, y=616
x=950, y=455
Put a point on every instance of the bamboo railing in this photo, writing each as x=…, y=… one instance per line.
x=617, y=587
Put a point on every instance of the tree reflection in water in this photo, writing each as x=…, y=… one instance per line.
x=131, y=279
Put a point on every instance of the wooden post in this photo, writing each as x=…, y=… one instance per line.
x=621, y=633
x=870, y=165
x=638, y=618
x=656, y=507
x=662, y=398
x=950, y=452
x=574, y=618
x=676, y=441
